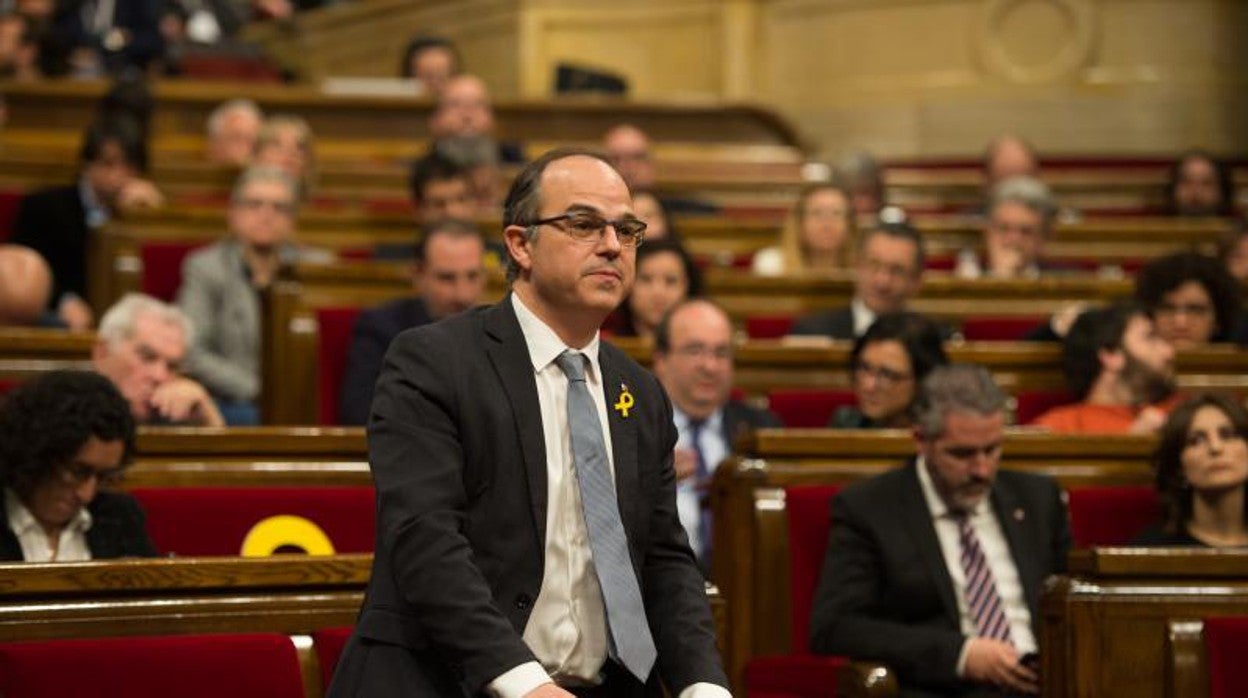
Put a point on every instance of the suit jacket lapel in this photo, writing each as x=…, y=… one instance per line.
x=917, y=519
x=623, y=439
x=509, y=354
x=1014, y=524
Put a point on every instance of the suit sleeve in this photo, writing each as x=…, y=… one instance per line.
x=198, y=298
x=674, y=589
x=368, y=347
x=139, y=543
x=417, y=462
x=849, y=617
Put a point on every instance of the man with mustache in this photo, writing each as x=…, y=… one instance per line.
x=936, y=569
x=1121, y=369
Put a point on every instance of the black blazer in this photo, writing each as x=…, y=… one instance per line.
x=837, y=324
x=373, y=332
x=53, y=222
x=117, y=529
x=458, y=459
x=885, y=592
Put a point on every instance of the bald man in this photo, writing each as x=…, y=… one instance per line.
x=628, y=148
x=25, y=285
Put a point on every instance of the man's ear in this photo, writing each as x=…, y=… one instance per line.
x=519, y=245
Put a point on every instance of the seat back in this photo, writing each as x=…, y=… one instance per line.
x=998, y=329
x=809, y=524
x=329, y=643
x=1033, y=403
x=224, y=520
x=1110, y=515
x=768, y=326
x=807, y=408
x=162, y=266
x=1226, y=641
x=333, y=343
x=259, y=665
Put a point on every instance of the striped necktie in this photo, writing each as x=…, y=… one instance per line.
x=983, y=601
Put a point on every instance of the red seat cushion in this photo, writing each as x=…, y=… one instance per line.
x=1033, y=403
x=768, y=326
x=793, y=676
x=329, y=643
x=1226, y=639
x=807, y=408
x=215, y=520
x=188, y=666
x=1110, y=515
x=333, y=341
x=998, y=329
x=162, y=266
x=9, y=199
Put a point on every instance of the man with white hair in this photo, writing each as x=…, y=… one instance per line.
x=1019, y=222
x=139, y=347
x=232, y=130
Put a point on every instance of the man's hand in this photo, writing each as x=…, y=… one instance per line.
x=548, y=690
x=1148, y=421
x=140, y=193
x=685, y=463
x=184, y=400
x=996, y=662
x=1005, y=261
x=75, y=313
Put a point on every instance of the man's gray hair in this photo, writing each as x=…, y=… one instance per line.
x=118, y=323
x=1027, y=191
x=216, y=120
x=265, y=173
x=955, y=388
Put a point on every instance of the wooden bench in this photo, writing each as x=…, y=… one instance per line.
x=27, y=351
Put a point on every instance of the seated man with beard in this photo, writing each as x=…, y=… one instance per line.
x=1121, y=369
x=462, y=129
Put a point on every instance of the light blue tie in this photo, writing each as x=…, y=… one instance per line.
x=631, y=643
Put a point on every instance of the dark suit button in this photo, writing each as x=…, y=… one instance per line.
x=524, y=602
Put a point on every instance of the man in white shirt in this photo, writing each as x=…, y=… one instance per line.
x=936, y=569
x=528, y=543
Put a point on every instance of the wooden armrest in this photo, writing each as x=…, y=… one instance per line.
x=866, y=680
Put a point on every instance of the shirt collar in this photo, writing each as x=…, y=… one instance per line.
x=863, y=316
x=935, y=504
x=97, y=213
x=712, y=423
x=22, y=522
x=544, y=345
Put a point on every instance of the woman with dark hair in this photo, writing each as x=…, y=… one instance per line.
x=1200, y=185
x=63, y=436
x=1192, y=297
x=666, y=275
x=432, y=60
x=1201, y=467
x=887, y=364
x=650, y=209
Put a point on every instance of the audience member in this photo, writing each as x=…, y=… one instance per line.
x=1200, y=185
x=1019, y=221
x=864, y=177
x=936, y=569
x=889, y=274
x=1122, y=371
x=140, y=347
x=651, y=210
x=64, y=437
x=818, y=234
x=628, y=149
x=462, y=128
x=285, y=142
x=440, y=189
x=693, y=360
x=233, y=129
x=56, y=222
x=25, y=287
x=221, y=287
x=96, y=37
x=19, y=49
x=448, y=277
x=887, y=364
x=1201, y=466
x=666, y=275
x=1009, y=156
x=1233, y=251
x=1192, y=298
x=432, y=60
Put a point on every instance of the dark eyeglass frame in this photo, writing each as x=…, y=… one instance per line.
x=630, y=231
x=78, y=473
x=882, y=374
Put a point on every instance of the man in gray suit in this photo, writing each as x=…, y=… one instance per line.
x=527, y=537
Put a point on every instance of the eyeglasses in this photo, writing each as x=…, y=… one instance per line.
x=702, y=351
x=591, y=227
x=1189, y=309
x=250, y=204
x=886, y=376
x=79, y=473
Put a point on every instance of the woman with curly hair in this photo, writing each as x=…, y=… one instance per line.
x=1201, y=466
x=1193, y=299
x=63, y=436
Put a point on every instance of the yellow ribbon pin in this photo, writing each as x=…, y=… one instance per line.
x=625, y=403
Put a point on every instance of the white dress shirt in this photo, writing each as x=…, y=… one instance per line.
x=997, y=553
x=70, y=547
x=863, y=316
x=689, y=492
x=567, y=629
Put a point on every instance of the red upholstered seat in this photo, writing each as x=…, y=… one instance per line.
x=187, y=666
x=162, y=266
x=1110, y=515
x=1226, y=639
x=800, y=674
x=807, y=408
x=215, y=520
x=998, y=329
x=7, y=384
x=333, y=341
x=768, y=326
x=9, y=199
x=1033, y=403
x=329, y=643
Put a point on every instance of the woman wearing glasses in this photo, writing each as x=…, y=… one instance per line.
x=887, y=364
x=1201, y=466
x=666, y=275
x=63, y=436
x=1193, y=299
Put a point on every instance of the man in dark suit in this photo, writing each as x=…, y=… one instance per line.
x=936, y=569
x=448, y=277
x=693, y=360
x=889, y=274
x=501, y=569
